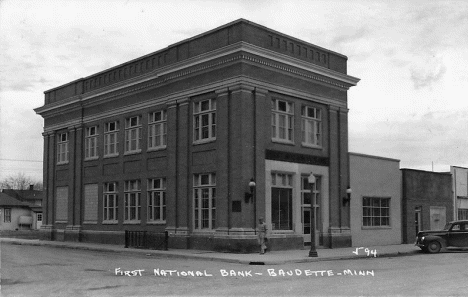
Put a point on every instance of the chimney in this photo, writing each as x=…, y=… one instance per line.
x=31, y=187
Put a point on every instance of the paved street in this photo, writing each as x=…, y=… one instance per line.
x=48, y=271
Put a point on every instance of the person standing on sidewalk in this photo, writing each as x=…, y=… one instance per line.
x=262, y=235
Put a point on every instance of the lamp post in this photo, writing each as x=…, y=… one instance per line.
x=252, y=186
x=313, y=251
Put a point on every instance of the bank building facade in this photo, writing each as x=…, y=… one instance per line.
x=201, y=139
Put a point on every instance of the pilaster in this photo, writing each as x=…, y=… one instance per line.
x=242, y=147
x=262, y=116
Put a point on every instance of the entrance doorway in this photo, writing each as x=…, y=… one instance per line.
x=417, y=219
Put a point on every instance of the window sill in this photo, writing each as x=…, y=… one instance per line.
x=155, y=149
x=110, y=222
x=156, y=223
x=132, y=152
x=282, y=141
x=110, y=156
x=203, y=141
x=62, y=163
x=90, y=222
x=311, y=146
x=132, y=222
x=375, y=227
x=91, y=158
x=61, y=222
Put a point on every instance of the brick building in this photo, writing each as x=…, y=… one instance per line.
x=171, y=140
x=426, y=201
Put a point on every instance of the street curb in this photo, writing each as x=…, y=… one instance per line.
x=170, y=255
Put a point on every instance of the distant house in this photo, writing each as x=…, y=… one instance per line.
x=14, y=214
x=33, y=198
x=460, y=192
x=427, y=201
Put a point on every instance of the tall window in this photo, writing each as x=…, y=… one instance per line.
x=204, y=117
x=157, y=130
x=157, y=199
x=311, y=126
x=133, y=135
x=7, y=217
x=62, y=148
x=111, y=131
x=281, y=201
x=204, y=198
x=91, y=142
x=111, y=202
x=376, y=212
x=282, y=120
x=132, y=200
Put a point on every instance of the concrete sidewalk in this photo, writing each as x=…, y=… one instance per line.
x=270, y=258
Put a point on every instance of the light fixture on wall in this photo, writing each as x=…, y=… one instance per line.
x=250, y=196
x=347, y=199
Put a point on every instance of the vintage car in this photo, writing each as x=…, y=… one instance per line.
x=454, y=234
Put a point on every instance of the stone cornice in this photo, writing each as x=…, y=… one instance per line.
x=263, y=57
x=241, y=88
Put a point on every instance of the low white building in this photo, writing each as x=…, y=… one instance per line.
x=375, y=200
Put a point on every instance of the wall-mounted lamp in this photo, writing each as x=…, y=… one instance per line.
x=347, y=199
x=250, y=196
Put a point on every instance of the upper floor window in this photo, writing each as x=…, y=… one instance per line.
x=157, y=199
x=204, y=117
x=91, y=142
x=157, y=130
x=282, y=120
x=62, y=148
x=311, y=126
x=133, y=134
x=111, y=131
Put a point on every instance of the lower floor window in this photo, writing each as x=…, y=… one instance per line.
x=204, y=198
x=110, y=203
x=376, y=212
x=132, y=200
x=157, y=199
x=7, y=217
x=463, y=213
x=281, y=201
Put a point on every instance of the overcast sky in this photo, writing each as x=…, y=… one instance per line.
x=411, y=56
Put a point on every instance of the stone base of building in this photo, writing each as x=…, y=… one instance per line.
x=46, y=232
x=237, y=241
x=337, y=238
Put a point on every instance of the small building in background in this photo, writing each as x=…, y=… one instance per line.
x=14, y=214
x=375, y=200
x=33, y=198
x=460, y=192
x=427, y=201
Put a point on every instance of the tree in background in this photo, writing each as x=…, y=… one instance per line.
x=20, y=181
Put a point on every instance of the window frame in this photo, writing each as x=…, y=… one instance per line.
x=156, y=200
x=7, y=215
x=373, y=212
x=276, y=115
x=199, y=189
x=91, y=143
x=286, y=181
x=155, y=127
x=62, y=148
x=317, y=127
x=108, y=195
x=108, y=144
x=198, y=116
x=129, y=140
x=131, y=193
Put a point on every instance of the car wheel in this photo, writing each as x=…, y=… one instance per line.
x=433, y=247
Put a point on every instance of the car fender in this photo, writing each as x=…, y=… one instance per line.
x=429, y=238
